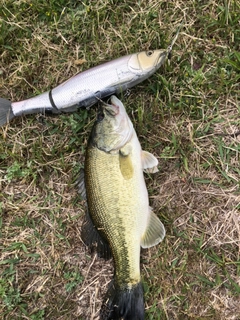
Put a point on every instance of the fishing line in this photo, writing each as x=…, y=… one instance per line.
x=169, y=49
x=103, y=102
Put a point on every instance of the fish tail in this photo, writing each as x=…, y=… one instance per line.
x=6, y=113
x=126, y=304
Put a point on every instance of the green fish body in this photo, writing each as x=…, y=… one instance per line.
x=118, y=207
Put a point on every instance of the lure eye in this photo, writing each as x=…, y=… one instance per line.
x=149, y=53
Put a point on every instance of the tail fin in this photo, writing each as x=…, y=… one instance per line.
x=126, y=304
x=6, y=113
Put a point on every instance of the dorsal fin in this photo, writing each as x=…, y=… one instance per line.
x=80, y=183
x=89, y=233
x=92, y=238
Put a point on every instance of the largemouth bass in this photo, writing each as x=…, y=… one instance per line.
x=119, y=215
x=87, y=87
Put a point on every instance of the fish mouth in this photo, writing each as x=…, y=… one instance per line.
x=115, y=103
x=161, y=59
x=111, y=108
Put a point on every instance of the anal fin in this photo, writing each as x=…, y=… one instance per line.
x=155, y=231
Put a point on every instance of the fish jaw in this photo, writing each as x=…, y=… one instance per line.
x=113, y=128
x=124, y=127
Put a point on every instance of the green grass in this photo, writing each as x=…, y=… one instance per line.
x=186, y=114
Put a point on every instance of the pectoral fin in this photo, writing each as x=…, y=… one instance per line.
x=149, y=162
x=126, y=166
x=154, y=233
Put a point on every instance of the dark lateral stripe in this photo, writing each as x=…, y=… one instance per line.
x=52, y=102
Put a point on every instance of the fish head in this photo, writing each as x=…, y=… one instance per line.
x=113, y=128
x=146, y=62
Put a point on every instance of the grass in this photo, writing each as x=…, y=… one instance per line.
x=187, y=114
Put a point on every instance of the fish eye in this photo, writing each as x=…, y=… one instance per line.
x=100, y=116
x=149, y=53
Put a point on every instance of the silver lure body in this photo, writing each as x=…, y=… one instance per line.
x=87, y=87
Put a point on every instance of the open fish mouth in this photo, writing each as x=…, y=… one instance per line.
x=111, y=107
